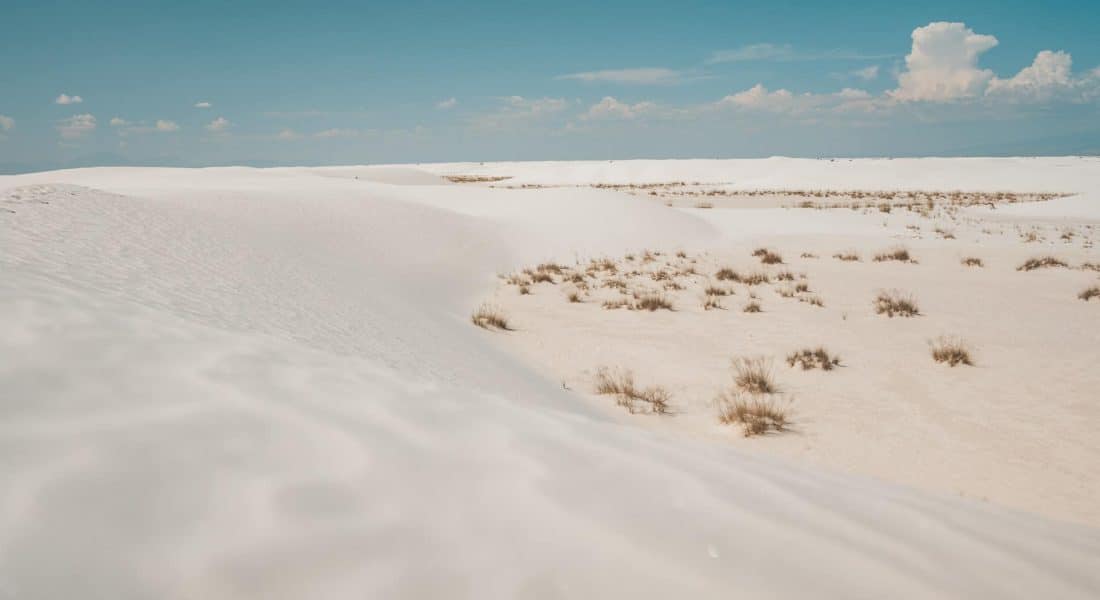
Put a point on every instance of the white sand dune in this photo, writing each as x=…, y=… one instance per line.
x=242, y=383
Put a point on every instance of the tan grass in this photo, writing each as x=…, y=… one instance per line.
x=620, y=383
x=488, y=316
x=757, y=414
x=813, y=358
x=894, y=302
x=972, y=261
x=1089, y=293
x=950, y=350
x=1041, y=262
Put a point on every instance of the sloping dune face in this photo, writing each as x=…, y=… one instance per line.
x=238, y=383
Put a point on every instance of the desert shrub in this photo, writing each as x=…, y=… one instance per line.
x=756, y=278
x=1041, y=262
x=1090, y=293
x=620, y=383
x=712, y=301
x=752, y=307
x=972, y=261
x=950, y=350
x=812, y=300
x=550, y=268
x=542, y=277
x=616, y=303
x=652, y=301
x=807, y=255
x=810, y=358
x=524, y=290
x=488, y=316
x=899, y=254
x=895, y=303
x=574, y=296
x=713, y=290
x=801, y=287
x=847, y=256
x=784, y=276
x=769, y=257
x=1089, y=266
x=754, y=375
x=757, y=414
x=727, y=274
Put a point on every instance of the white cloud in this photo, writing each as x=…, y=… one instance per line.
x=866, y=73
x=119, y=122
x=203, y=104
x=610, y=108
x=167, y=126
x=447, y=104
x=753, y=52
x=517, y=110
x=6, y=123
x=942, y=65
x=129, y=127
x=647, y=75
x=67, y=99
x=1048, y=76
x=76, y=126
x=759, y=98
x=218, y=125
x=337, y=133
x=288, y=134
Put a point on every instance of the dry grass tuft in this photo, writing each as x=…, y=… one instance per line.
x=950, y=350
x=1089, y=266
x=704, y=205
x=712, y=301
x=524, y=290
x=807, y=255
x=727, y=274
x=768, y=257
x=1090, y=293
x=620, y=383
x=488, y=316
x=754, y=375
x=1041, y=262
x=756, y=278
x=713, y=290
x=899, y=253
x=972, y=261
x=574, y=297
x=784, y=276
x=616, y=304
x=541, y=277
x=801, y=287
x=847, y=256
x=813, y=358
x=895, y=303
x=752, y=307
x=652, y=301
x=812, y=300
x=756, y=414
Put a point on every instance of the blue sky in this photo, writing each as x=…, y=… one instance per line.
x=358, y=82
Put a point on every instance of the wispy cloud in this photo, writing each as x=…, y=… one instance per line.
x=866, y=73
x=638, y=76
x=517, y=110
x=219, y=125
x=6, y=123
x=287, y=135
x=611, y=108
x=785, y=53
x=125, y=127
x=337, y=132
x=76, y=126
x=67, y=99
x=203, y=104
x=447, y=104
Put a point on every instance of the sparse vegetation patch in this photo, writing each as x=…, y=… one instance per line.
x=893, y=303
x=620, y=383
x=951, y=350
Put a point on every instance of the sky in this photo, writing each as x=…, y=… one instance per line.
x=293, y=83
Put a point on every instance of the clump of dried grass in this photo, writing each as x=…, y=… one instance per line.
x=752, y=307
x=756, y=278
x=620, y=383
x=894, y=302
x=899, y=253
x=810, y=358
x=1041, y=262
x=727, y=274
x=652, y=301
x=812, y=300
x=1089, y=293
x=488, y=316
x=712, y=301
x=950, y=350
x=753, y=374
x=972, y=261
x=847, y=256
x=757, y=414
x=768, y=257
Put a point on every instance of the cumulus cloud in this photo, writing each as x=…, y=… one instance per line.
x=166, y=126
x=67, y=99
x=129, y=127
x=119, y=122
x=647, y=75
x=760, y=98
x=447, y=104
x=942, y=65
x=203, y=104
x=1048, y=76
x=610, y=108
x=218, y=125
x=6, y=123
x=784, y=53
x=288, y=134
x=76, y=126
